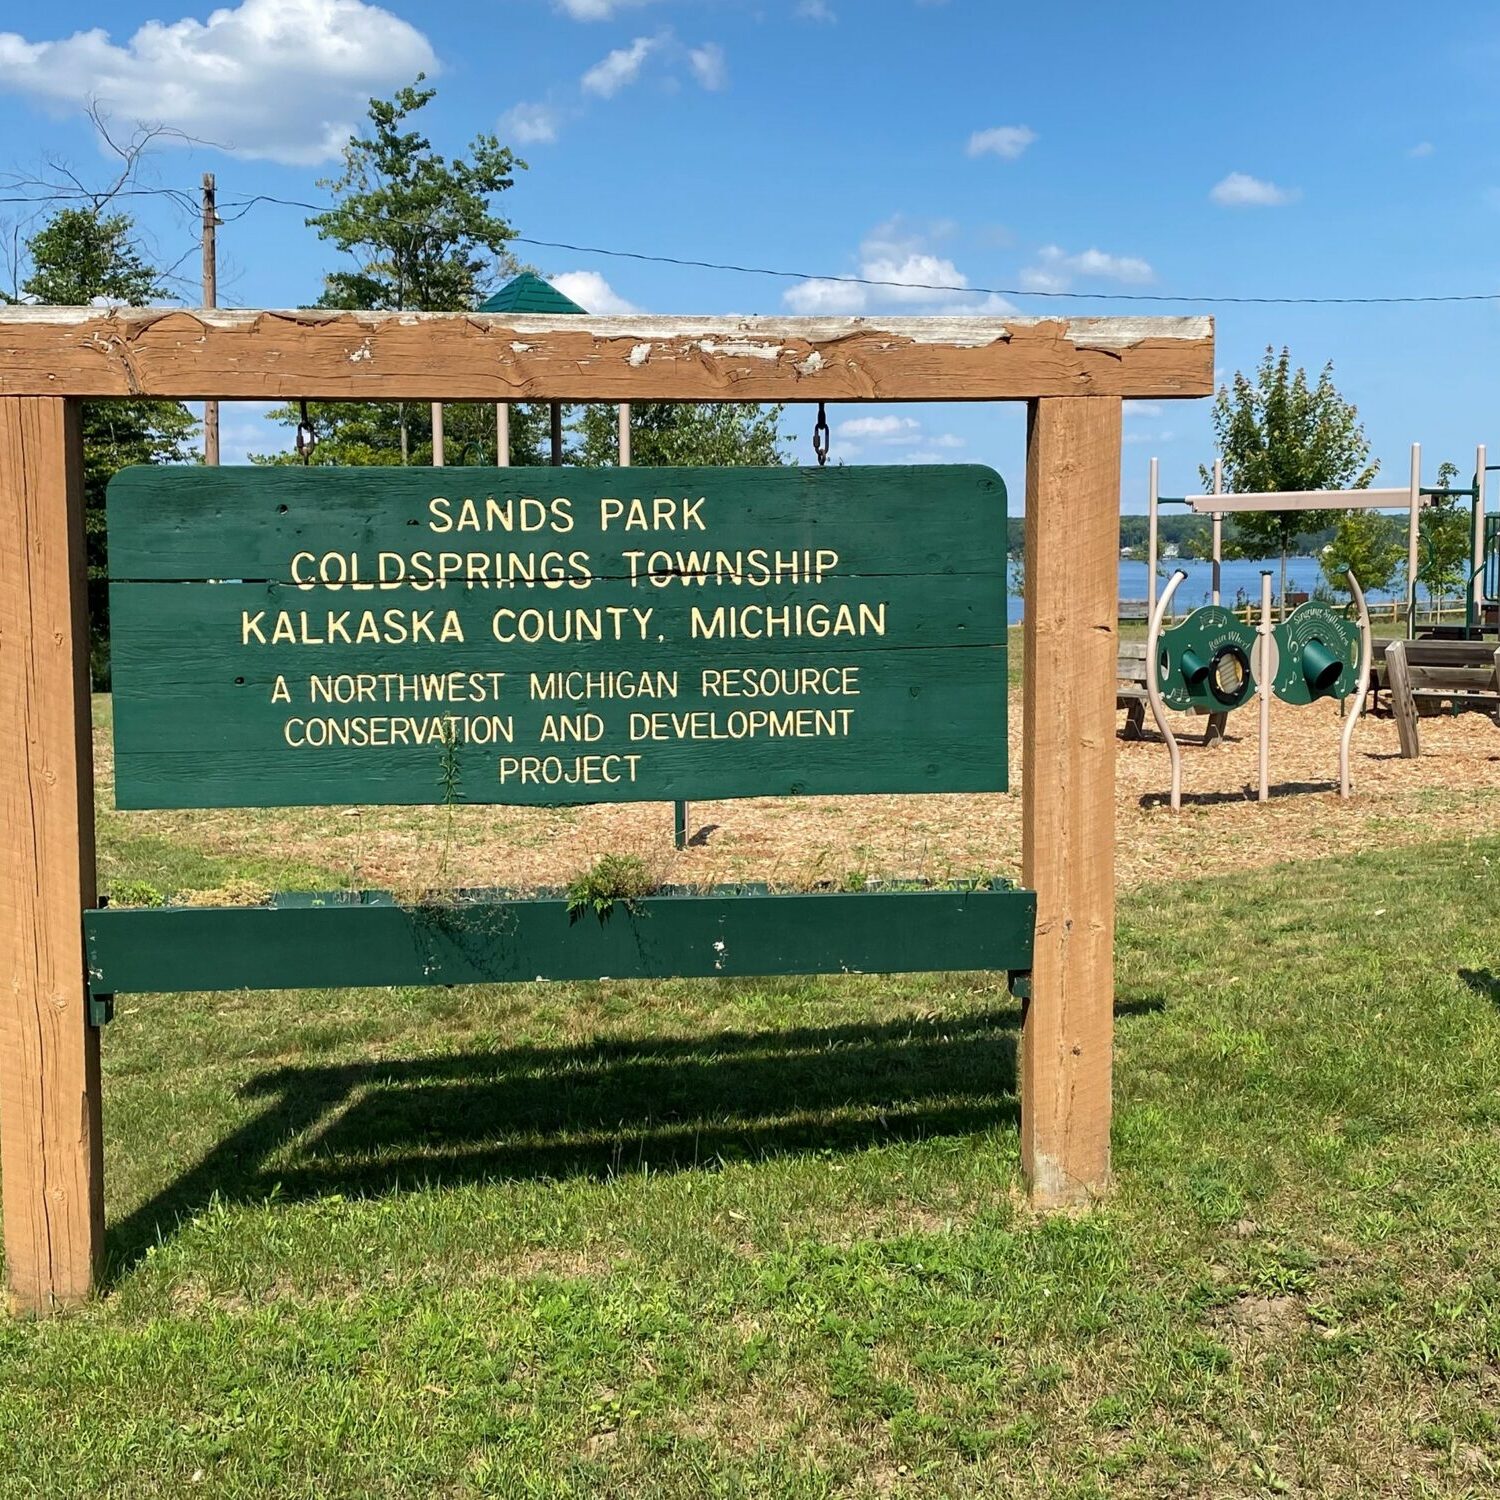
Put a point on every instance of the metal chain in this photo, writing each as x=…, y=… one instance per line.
x=307, y=439
x=820, y=435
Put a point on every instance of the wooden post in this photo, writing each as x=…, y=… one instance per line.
x=210, y=299
x=1068, y=792
x=1403, y=705
x=50, y=1153
x=437, y=435
x=502, y=435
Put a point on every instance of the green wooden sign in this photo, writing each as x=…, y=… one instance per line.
x=1317, y=655
x=1204, y=662
x=285, y=636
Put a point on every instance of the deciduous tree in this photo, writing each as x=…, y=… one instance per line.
x=677, y=433
x=1277, y=431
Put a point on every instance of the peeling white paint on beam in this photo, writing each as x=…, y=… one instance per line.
x=741, y=349
x=764, y=333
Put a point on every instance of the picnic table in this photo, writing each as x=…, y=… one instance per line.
x=1131, y=695
x=1432, y=676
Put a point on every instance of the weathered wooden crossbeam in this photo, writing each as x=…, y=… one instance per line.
x=259, y=356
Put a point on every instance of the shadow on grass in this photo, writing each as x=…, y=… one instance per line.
x=597, y=1110
x=1483, y=982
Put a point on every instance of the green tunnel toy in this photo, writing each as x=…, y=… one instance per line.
x=1317, y=655
x=1204, y=663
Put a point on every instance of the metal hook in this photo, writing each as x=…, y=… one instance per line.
x=820, y=435
x=307, y=439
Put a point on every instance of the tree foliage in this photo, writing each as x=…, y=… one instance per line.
x=1445, y=541
x=676, y=433
x=371, y=432
x=424, y=237
x=1367, y=544
x=1277, y=431
x=80, y=256
x=419, y=227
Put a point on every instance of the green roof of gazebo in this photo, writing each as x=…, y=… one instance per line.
x=529, y=294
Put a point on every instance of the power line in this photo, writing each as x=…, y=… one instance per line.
x=244, y=205
x=997, y=291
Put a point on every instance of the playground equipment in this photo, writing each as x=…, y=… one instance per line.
x=1212, y=661
x=1483, y=582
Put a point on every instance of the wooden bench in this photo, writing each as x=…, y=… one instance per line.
x=1134, y=612
x=1424, y=678
x=1130, y=695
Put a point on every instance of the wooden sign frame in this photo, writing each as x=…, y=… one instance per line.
x=1073, y=375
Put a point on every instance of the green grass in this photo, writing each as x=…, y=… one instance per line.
x=752, y=1239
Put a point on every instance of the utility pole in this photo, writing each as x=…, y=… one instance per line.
x=210, y=299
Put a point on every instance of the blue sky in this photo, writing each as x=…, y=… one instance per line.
x=1174, y=149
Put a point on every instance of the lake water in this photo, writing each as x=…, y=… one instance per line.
x=1303, y=576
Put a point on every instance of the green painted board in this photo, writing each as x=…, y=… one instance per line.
x=369, y=940
x=285, y=636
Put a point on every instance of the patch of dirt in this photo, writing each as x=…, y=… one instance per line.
x=1453, y=790
x=1265, y=1317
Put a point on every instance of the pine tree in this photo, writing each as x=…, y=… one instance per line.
x=423, y=237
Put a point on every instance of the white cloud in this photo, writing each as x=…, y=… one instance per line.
x=1422, y=148
x=1143, y=409
x=826, y=296
x=709, y=65
x=912, y=278
x=1241, y=190
x=857, y=434
x=1005, y=141
x=282, y=80
x=907, y=282
x=530, y=124
x=596, y=10
x=1056, y=269
x=621, y=68
x=592, y=292
x=880, y=429
x=815, y=10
